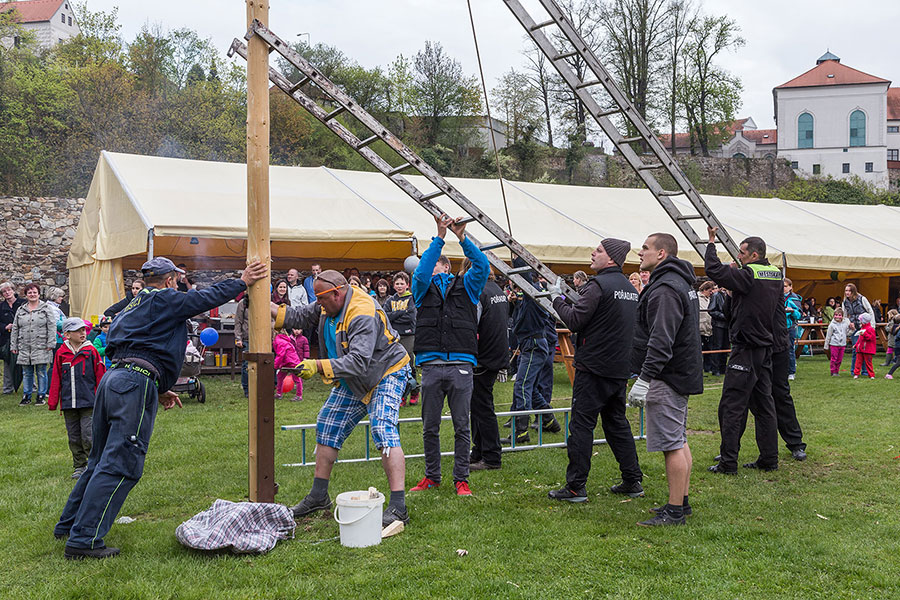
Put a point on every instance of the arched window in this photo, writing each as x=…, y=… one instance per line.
x=805, y=131
x=857, y=128
x=738, y=155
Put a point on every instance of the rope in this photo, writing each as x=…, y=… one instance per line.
x=490, y=120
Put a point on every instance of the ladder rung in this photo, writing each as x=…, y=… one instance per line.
x=399, y=169
x=646, y=167
x=542, y=294
x=466, y=220
x=671, y=192
x=688, y=217
x=585, y=84
x=335, y=113
x=542, y=25
x=607, y=113
x=565, y=55
x=629, y=140
x=299, y=85
x=432, y=195
x=366, y=142
x=518, y=270
x=492, y=246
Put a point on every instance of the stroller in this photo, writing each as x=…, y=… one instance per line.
x=188, y=381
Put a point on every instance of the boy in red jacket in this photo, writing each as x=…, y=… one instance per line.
x=77, y=370
x=865, y=346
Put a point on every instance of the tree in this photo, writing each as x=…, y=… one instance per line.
x=710, y=94
x=188, y=50
x=540, y=78
x=97, y=43
x=441, y=90
x=518, y=102
x=682, y=16
x=150, y=59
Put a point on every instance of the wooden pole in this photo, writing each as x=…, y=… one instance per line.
x=261, y=412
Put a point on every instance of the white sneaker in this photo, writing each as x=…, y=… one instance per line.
x=790, y=377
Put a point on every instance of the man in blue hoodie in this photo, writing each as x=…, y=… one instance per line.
x=445, y=347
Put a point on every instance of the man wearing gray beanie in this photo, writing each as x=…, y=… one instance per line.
x=604, y=319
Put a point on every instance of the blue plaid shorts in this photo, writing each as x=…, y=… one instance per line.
x=342, y=411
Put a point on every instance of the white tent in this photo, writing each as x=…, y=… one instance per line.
x=195, y=212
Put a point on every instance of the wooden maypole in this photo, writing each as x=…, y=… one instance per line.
x=261, y=448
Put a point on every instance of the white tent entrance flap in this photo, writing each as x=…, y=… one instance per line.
x=196, y=211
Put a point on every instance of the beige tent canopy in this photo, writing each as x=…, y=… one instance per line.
x=195, y=212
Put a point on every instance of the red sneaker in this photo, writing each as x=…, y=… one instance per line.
x=425, y=484
x=414, y=398
x=462, y=488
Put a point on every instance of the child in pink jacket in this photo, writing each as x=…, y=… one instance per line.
x=865, y=346
x=289, y=350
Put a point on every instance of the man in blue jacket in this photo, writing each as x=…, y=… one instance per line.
x=146, y=345
x=446, y=345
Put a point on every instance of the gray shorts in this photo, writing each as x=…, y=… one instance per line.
x=666, y=418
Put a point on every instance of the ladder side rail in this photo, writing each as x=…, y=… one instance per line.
x=416, y=162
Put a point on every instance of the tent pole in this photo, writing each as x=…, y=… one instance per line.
x=261, y=407
x=149, y=244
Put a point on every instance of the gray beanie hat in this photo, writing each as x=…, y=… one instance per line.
x=617, y=249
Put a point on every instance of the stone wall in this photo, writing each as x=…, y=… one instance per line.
x=37, y=235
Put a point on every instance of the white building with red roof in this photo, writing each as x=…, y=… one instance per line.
x=51, y=21
x=835, y=120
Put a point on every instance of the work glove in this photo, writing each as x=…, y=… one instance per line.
x=307, y=368
x=555, y=289
x=637, y=397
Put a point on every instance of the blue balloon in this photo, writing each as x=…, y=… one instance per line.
x=209, y=336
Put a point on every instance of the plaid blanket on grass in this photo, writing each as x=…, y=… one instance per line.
x=243, y=527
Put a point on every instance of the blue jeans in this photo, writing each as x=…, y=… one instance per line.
x=532, y=360
x=864, y=371
x=28, y=374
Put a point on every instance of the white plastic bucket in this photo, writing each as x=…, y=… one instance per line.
x=359, y=516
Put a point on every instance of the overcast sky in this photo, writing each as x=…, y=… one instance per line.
x=784, y=37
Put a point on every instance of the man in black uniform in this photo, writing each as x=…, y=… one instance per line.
x=755, y=300
x=604, y=318
x=493, y=355
x=146, y=345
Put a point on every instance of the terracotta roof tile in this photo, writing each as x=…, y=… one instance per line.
x=683, y=140
x=33, y=11
x=893, y=104
x=831, y=72
x=761, y=136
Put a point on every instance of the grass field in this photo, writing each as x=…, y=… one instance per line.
x=825, y=528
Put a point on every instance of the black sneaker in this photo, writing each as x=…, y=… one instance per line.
x=25, y=401
x=657, y=509
x=662, y=518
x=568, y=495
x=480, y=465
x=799, y=454
x=633, y=489
x=82, y=553
x=392, y=513
x=718, y=468
x=40, y=401
x=78, y=472
x=309, y=505
x=755, y=465
x=521, y=438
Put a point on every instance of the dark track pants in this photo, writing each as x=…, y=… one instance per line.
x=124, y=412
x=748, y=385
x=453, y=381
x=595, y=396
x=485, y=431
x=785, y=413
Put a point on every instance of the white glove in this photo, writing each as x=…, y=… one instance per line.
x=637, y=397
x=555, y=289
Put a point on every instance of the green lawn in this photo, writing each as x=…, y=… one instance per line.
x=825, y=528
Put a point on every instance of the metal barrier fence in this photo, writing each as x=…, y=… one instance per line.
x=513, y=447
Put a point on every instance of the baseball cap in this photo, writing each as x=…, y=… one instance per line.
x=159, y=266
x=72, y=324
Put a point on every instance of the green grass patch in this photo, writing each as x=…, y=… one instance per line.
x=825, y=528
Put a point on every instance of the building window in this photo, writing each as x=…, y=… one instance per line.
x=738, y=155
x=894, y=154
x=17, y=41
x=805, y=131
x=817, y=169
x=893, y=128
x=63, y=17
x=795, y=164
x=70, y=21
x=845, y=168
x=870, y=167
x=857, y=128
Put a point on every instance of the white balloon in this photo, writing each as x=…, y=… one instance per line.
x=410, y=263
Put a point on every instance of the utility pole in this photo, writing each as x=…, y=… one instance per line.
x=261, y=407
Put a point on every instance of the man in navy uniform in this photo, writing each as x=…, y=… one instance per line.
x=146, y=345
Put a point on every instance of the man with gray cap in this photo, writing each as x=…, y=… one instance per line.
x=146, y=345
x=604, y=319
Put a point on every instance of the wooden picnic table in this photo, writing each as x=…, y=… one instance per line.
x=814, y=335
